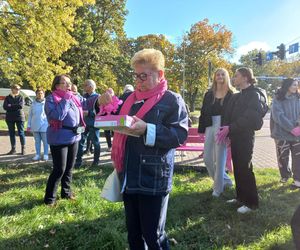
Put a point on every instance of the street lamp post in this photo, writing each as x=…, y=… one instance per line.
x=183, y=72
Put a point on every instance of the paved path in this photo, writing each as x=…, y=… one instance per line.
x=264, y=151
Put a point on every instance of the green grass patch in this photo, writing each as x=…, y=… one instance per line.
x=195, y=219
x=3, y=125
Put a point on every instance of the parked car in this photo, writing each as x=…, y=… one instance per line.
x=28, y=94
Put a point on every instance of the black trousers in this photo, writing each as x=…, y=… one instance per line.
x=108, y=135
x=63, y=162
x=242, y=150
x=295, y=224
x=145, y=221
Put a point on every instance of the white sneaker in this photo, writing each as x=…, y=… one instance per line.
x=296, y=183
x=232, y=201
x=215, y=194
x=45, y=158
x=36, y=158
x=244, y=209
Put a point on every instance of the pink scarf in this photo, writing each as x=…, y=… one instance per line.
x=58, y=95
x=152, y=97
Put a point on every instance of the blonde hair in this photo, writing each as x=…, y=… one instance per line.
x=152, y=57
x=227, y=81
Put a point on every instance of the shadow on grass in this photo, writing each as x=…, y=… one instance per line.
x=21, y=171
x=199, y=221
x=288, y=245
x=195, y=219
x=41, y=169
x=80, y=177
x=107, y=232
x=9, y=210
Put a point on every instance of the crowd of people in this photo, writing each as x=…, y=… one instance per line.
x=145, y=162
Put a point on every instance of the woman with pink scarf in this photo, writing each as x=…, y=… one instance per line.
x=65, y=117
x=145, y=162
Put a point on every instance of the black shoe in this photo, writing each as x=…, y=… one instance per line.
x=12, y=151
x=71, y=197
x=95, y=164
x=77, y=164
x=50, y=203
x=23, y=152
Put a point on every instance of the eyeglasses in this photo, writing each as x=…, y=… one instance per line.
x=142, y=76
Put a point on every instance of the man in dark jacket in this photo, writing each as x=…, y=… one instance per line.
x=91, y=132
x=14, y=104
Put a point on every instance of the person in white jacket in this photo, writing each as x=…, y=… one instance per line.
x=37, y=124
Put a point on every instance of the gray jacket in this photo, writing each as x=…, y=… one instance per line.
x=285, y=115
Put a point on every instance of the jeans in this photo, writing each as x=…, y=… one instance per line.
x=215, y=157
x=12, y=132
x=63, y=157
x=38, y=137
x=145, y=221
x=93, y=134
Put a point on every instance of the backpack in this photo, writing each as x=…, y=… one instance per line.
x=263, y=102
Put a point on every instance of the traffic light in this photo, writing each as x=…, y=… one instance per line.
x=258, y=59
x=281, y=51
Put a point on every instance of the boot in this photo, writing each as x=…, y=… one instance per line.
x=23, y=152
x=12, y=151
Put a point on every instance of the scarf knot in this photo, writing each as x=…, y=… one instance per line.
x=58, y=95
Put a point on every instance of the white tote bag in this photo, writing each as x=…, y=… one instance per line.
x=111, y=190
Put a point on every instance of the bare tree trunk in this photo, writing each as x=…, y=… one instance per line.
x=192, y=99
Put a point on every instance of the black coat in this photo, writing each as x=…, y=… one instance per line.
x=244, y=113
x=205, y=119
x=14, y=108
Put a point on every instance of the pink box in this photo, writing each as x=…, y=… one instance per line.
x=113, y=122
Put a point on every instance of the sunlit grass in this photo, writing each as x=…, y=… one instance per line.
x=195, y=219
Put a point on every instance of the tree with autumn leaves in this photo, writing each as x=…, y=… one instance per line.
x=86, y=39
x=201, y=44
x=33, y=36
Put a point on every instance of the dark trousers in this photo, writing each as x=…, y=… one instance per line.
x=242, y=150
x=145, y=221
x=295, y=224
x=283, y=149
x=63, y=161
x=93, y=134
x=107, y=134
x=12, y=132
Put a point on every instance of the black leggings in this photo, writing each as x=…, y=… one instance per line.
x=63, y=162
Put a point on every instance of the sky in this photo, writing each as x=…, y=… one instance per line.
x=260, y=24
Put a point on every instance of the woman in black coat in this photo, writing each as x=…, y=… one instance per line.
x=242, y=118
x=14, y=104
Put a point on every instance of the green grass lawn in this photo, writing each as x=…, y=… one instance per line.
x=3, y=125
x=195, y=219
